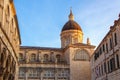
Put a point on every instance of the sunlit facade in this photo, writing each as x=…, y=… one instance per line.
x=70, y=62
x=9, y=41
x=105, y=62
x=75, y=60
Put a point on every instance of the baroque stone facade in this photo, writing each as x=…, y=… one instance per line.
x=105, y=62
x=9, y=41
x=75, y=60
x=70, y=62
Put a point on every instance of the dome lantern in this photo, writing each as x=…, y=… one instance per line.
x=71, y=16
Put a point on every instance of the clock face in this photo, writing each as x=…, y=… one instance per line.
x=81, y=55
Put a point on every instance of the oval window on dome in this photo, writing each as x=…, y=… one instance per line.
x=82, y=55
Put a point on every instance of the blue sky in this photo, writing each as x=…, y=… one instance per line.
x=41, y=21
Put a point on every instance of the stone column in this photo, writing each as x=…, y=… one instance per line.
x=17, y=72
x=41, y=75
x=38, y=56
x=26, y=57
x=56, y=61
x=56, y=74
x=26, y=75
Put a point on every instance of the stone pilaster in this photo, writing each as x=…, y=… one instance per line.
x=26, y=74
x=56, y=74
x=41, y=75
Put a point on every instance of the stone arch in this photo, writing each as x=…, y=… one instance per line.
x=33, y=57
x=58, y=58
x=46, y=57
x=21, y=57
x=82, y=55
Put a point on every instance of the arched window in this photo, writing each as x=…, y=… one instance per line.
x=52, y=57
x=33, y=57
x=46, y=57
x=75, y=40
x=67, y=42
x=82, y=55
x=21, y=57
x=58, y=58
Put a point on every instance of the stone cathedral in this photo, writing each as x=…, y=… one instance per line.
x=70, y=62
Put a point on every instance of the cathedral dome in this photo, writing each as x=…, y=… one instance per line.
x=71, y=24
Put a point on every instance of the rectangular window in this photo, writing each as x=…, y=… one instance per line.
x=105, y=67
x=33, y=73
x=107, y=47
x=98, y=54
x=100, y=51
x=21, y=72
x=101, y=69
x=117, y=60
x=110, y=43
x=108, y=66
x=95, y=57
x=112, y=64
x=115, y=38
x=111, y=67
x=103, y=48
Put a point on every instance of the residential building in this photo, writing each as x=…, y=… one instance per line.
x=105, y=62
